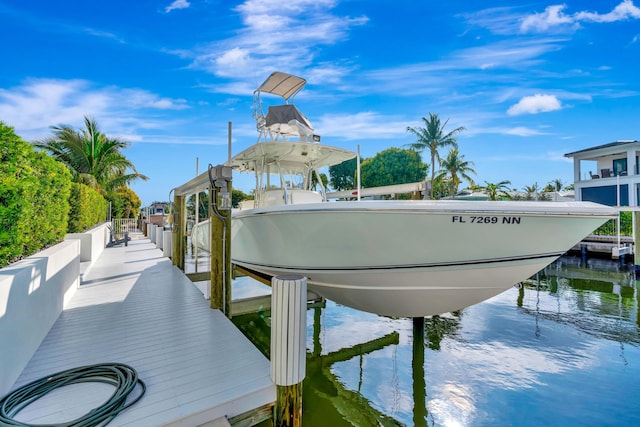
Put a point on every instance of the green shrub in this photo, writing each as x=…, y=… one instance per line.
x=34, y=198
x=87, y=208
x=610, y=227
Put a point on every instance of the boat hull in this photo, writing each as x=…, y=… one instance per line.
x=414, y=258
x=414, y=292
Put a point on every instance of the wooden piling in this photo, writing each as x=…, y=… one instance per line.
x=220, y=228
x=288, y=347
x=288, y=407
x=417, y=367
x=179, y=231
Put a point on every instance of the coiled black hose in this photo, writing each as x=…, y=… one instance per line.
x=123, y=377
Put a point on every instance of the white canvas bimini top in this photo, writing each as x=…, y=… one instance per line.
x=282, y=84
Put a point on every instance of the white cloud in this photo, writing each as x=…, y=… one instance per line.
x=266, y=7
x=551, y=17
x=366, y=125
x=177, y=4
x=275, y=32
x=554, y=17
x=535, y=104
x=624, y=11
x=40, y=103
x=521, y=131
x=230, y=60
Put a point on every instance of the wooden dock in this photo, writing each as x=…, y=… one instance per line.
x=135, y=307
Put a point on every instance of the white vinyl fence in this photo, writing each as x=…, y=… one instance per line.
x=120, y=225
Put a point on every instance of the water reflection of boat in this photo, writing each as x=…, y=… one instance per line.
x=397, y=258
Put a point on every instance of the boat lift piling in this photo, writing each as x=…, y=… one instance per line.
x=220, y=227
x=288, y=347
x=216, y=180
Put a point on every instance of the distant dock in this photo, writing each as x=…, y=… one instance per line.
x=611, y=247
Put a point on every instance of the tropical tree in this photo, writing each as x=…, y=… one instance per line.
x=495, y=191
x=323, y=177
x=393, y=166
x=456, y=167
x=125, y=203
x=532, y=191
x=203, y=204
x=92, y=157
x=343, y=175
x=442, y=186
x=433, y=137
x=554, y=185
x=238, y=196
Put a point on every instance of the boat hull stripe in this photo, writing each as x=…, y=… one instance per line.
x=401, y=267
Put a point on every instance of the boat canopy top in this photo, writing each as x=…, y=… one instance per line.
x=282, y=84
x=292, y=156
x=282, y=121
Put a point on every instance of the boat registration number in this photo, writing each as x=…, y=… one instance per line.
x=462, y=219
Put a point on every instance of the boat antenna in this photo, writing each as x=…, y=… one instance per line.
x=229, y=144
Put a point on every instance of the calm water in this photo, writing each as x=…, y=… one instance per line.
x=560, y=350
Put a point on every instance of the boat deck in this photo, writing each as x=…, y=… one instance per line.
x=134, y=307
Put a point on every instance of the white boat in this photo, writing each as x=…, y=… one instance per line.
x=395, y=258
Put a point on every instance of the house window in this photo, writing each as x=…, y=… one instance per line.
x=620, y=167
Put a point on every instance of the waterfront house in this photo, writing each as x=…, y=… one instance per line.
x=608, y=173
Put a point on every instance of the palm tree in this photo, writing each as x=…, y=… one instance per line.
x=497, y=190
x=531, y=190
x=433, y=137
x=555, y=185
x=442, y=185
x=455, y=165
x=92, y=157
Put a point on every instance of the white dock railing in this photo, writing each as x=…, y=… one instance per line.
x=120, y=225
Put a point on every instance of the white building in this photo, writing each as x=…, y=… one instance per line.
x=608, y=173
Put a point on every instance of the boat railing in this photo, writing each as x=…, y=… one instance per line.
x=288, y=196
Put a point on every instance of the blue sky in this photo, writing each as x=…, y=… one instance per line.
x=530, y=81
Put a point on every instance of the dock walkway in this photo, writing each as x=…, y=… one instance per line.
x=135, y=307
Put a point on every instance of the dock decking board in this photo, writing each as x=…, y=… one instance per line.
x=135, y=308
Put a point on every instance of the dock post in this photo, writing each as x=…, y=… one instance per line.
x=179, y=228
x=152, y=233
x=166, y=243
x=288, y=347
x=636, y=235
x=160, y=237
x=220, y=227
x=417, y=370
